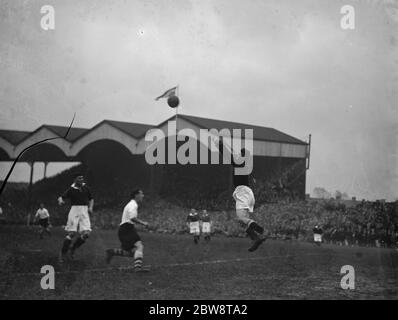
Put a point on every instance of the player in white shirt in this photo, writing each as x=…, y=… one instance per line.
x=131, y=244
x=244, y=203
x=42, y=216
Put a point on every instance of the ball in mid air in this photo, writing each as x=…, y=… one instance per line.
x=173, y=101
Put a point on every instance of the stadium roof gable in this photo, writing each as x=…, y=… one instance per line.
x=138, y=130
x=13, y=136
x=73, y=134
x=133, y=129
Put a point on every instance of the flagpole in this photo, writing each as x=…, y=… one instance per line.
x=178, y=93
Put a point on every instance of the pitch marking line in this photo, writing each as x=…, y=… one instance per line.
x=170, y=265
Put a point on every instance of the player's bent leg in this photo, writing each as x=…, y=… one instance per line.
x=128, y=237
x=66, y=245
x=252, y=228
x=256, y=244
x=196, y=237
x=244, y=220
x=138, y=257
x=71, y=229
x=84, y=235
x=257, y=228
x=110, y=253
x=41, y=231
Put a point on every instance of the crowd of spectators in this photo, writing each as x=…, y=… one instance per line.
x=366, y=224
x=283, y=215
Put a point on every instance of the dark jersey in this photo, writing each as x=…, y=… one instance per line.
x=317, y=230
x=206, y=218
x=193, y=217
x=78, y=196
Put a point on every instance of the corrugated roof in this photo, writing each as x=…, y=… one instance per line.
x=139, y=129
x=14, y=136
x=131, y=128
x=259, y=133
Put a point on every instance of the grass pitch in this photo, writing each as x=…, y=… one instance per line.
x=220, y=269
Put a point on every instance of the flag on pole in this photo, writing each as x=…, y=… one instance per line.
x=168, y=93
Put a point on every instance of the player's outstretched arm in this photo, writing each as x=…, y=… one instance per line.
x=136, y=220
x=62, y=197
x=36, y=215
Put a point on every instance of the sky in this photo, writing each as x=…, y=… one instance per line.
x=282, y=64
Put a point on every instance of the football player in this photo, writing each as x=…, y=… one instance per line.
x=317, y=235
x=244, y=204
x=131, y=243
x=206, y=225
x=78, y=223
x=43, y=218
x=193, y=220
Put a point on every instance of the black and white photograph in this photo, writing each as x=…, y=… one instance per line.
x=198, y=150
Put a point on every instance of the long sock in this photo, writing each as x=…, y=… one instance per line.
x=138, y=257
x=79, y=241
x=257, y=228
x=66, y=245
x=138, y=263
x=122, y=253
x=252, y=234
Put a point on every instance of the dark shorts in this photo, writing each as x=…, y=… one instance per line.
x=44, y=222
x=128, y=236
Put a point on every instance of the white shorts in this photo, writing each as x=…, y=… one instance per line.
x=244, y=198
x=206, y=227
x=194, y=227
x=317, y=237
x=78, y=219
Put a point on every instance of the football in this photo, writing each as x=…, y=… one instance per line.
x=173, y=101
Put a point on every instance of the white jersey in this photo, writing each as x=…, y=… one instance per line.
x=244, y=198
x=42, y=213
x=130, y=212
